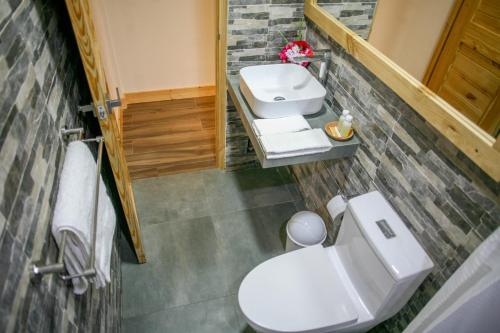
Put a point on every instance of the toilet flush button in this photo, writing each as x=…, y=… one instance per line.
x=386, y=229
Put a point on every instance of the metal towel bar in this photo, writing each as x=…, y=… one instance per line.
x=37, y=271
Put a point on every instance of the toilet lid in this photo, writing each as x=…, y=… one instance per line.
x=299, y=291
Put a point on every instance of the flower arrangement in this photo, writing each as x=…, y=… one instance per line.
x=294, y=49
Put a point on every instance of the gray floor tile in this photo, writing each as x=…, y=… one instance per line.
x=175, y=197
x=195, y=262
x=250, y=237
x=288, y=179
x=236, y=191
x=218, y=315
x=184, y=266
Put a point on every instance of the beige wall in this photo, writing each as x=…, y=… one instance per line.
x=157, y=44
x=407, y=31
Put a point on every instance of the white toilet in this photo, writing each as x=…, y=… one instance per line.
x=366, y=277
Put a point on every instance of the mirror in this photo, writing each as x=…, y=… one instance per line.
x=356, y=15
x=451, y=48
x=458, y=90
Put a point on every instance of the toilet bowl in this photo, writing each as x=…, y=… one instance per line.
x=369, y=274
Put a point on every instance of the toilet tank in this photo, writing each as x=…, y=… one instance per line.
x=385, y=263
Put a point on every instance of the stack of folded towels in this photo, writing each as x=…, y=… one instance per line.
x=290, y=136
x=74, y=213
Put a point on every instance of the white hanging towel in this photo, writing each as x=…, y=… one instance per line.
x=469, y=301
x=295, y=144
x=280, y=125
x=74, y=214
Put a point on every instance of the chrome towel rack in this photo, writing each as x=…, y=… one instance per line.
x=37, y=270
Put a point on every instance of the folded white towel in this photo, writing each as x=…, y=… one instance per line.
x=280, y=125
x=274, y=156
x=74, y=214
x=295, y=144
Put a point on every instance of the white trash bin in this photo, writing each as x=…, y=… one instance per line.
x=304, y=229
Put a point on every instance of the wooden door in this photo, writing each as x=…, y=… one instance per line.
x=81, y=19
x=467, y=71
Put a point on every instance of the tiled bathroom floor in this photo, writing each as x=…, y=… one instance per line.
x=202, y=232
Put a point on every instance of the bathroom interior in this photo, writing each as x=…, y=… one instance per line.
x=250, y=166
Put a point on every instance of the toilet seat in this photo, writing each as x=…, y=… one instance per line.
x=299, y=291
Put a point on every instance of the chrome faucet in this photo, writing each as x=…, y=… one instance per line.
x=324, y=57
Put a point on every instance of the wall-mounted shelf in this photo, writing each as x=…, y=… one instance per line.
x=318, y=120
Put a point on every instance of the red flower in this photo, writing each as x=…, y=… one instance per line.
x=292, y=49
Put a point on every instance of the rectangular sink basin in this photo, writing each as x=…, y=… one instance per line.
x=281, y=90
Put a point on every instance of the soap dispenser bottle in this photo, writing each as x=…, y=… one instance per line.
x=345, y=126
x=345, y=113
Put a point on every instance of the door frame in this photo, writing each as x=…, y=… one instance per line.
x=220, y=83
x=443, y=39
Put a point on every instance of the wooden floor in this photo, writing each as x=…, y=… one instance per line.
x=167, y=137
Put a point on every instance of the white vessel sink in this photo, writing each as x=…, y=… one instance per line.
x=281, y=90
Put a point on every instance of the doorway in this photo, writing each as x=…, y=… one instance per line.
x=161, y=55
x=95, y=35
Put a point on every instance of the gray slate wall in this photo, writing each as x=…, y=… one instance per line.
x=253, y=38
x=357, y=15
x=41, y=85
x=447, y=202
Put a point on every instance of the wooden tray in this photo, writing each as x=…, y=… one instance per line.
x=332, y=133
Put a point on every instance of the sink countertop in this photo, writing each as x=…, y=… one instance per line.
x=317, y=120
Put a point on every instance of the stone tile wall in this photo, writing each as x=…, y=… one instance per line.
x=41, y=85
x=255, y=28
x=357, y=15
x=447, y=202
x=253, y=38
